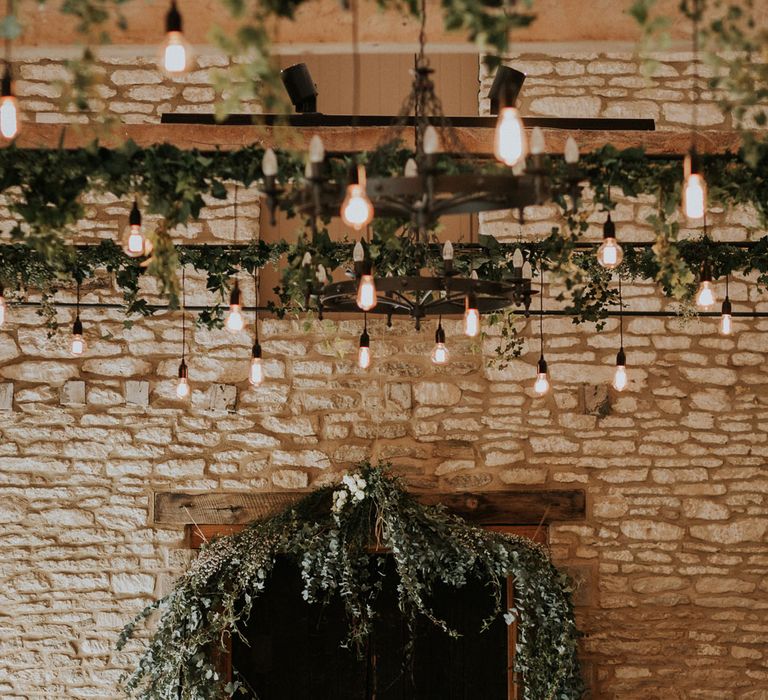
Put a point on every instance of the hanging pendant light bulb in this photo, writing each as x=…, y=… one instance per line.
x=510, y=145
x=182, y=387
x=364, y=349
x=471, y=316
x=411, y=168
x=235, y=321
x=176, y=52
x=366, y=287
x=705, y=296
x=78, y=342
x=517, y=259
x=695, y=187
x=3, y=306
x=610, y=253
x=541, y=385
x=9, y=106
x=726, y=311
x=136, y=243
x=256, y=373
x=620, y=375
x=440, y=352
x=357, y=210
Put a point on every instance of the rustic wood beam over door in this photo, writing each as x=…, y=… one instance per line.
x=488, y=508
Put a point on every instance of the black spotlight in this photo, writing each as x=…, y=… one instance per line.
x=506, y=87
x=302, y=91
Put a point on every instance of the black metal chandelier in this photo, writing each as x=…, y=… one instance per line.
x=419, y=197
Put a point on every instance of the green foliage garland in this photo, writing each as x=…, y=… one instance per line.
x=330, y=535
x=45, y=191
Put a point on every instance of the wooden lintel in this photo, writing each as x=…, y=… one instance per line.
x=488, y=508
x=477, y=141
x=196, y=535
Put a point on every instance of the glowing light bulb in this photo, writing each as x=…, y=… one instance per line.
x=620, y=375
x=411, y=168
x=510, y=142
x=527, y=270
x=726, y=319
x=78, y=345
x=9, y=116
x=9, y=106
x=695, y=196
x=136, y=243
x=620, y=378
x=518, y=259
x=269, y=163
x=541, y=385
x=364, y=350
x=321, y=275
x=610, y=253
x=256, y=372
x=366, y=293
x=448, y=251
x=235, y=321
x=705, y=296
x=78, y=342
x=440, y=352
x=182, y=388
x=471, y=316
x=176, y=52
x=356, y=210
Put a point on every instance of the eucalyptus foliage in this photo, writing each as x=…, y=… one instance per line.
x=45, y=191
x=332, y=535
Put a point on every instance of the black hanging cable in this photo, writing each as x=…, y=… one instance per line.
x=541, y=311
x=183, y=314
x=621, y=358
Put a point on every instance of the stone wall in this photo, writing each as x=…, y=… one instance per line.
x=671, y=561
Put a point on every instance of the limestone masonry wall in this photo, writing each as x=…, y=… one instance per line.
x=671, y=563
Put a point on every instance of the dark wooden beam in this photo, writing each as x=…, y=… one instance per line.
x=196, y=535
x=488, y=508
x=477, y=141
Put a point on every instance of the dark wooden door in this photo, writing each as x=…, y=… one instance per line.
x=294, y=649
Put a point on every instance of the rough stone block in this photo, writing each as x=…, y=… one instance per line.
x=137, y=392
x=6, y=396
x=596, y=399
x=222, y=398
x=73, y=393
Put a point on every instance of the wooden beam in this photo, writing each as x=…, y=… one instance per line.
x=489, y=508
x=196, y=535
x=477, y=141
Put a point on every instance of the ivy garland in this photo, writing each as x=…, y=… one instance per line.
x=330, y=535
x=45, y=190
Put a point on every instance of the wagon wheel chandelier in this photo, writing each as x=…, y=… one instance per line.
x=420, y=197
